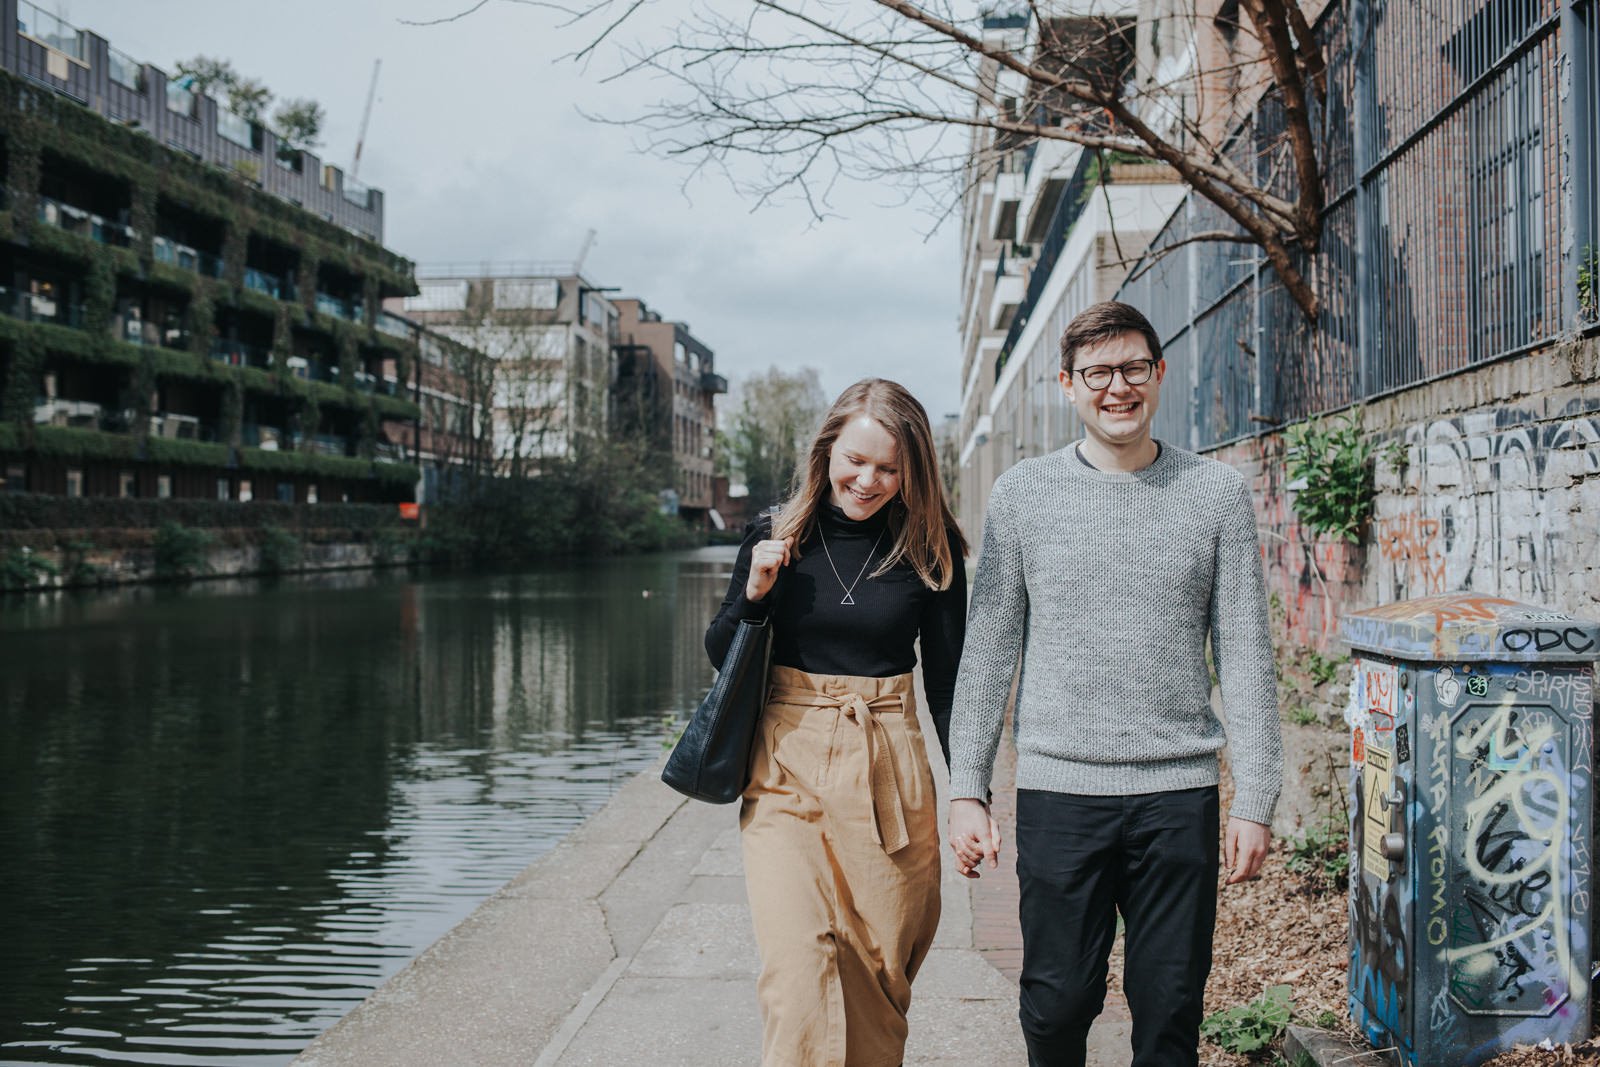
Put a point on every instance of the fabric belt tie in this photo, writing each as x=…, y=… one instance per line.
x=889, y=817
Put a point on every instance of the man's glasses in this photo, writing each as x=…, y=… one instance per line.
x=1134, y=372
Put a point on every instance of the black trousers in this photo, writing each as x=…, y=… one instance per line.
x=1080, y=861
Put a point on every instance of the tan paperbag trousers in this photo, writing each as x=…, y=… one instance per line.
x=841, y=860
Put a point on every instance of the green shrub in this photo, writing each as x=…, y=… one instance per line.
x=391, y=544
x=1323, y=669
x=1247, y=1028
x=21, y=569
x=79, y=570
x=1304, y=715
x=181, y=551
x=1322, y=856
x=280, y=550
x=1330, y=466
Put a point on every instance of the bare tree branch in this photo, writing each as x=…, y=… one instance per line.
x=787, y=98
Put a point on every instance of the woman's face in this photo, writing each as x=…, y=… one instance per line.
x=863, y=468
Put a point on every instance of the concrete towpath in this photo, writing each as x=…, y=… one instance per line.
x=630, y=942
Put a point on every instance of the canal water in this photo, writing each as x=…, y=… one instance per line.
x=229, y=812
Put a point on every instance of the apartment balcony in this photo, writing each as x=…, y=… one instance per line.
x=1009, y=289
x=174, y=427
x=1003, y=208
x=349, y=310
x=86, y=223
x=713, y=383
x=186, y=257
x=394, y=325
x=326, y=444
x=313, y=370
x=40, y=307
x=271, y=284
x=356, y=192
x=266, y=438
x=139, y=331
x=240, y=354
x=78, y=414
x=1049, y=172
x=124, y=70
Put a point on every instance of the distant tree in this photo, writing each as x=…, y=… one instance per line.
x=205, y=73
x=249, y=99
x=777, y=414
x=299, y=122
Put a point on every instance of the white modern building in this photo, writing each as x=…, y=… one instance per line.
x=548, y=333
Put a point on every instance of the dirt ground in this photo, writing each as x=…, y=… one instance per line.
x=1291, y=928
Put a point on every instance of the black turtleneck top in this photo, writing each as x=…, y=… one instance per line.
x=873, y=638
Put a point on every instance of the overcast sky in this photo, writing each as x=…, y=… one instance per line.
x=478, y=145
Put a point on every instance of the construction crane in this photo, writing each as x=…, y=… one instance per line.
x=366, y=116
x=583, y=253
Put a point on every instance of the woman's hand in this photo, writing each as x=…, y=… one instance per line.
x=765, y=561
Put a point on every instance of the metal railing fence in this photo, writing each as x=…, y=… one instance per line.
x=1441, y=245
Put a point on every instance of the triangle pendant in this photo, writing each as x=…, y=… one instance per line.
x=848, y=599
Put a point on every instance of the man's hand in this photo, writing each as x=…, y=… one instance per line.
x=974, y=836
x=1244, y=847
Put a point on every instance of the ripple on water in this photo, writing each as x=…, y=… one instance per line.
x=278, y=856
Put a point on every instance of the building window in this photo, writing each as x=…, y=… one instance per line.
x=245, y=492
x=311, y=493
x=438, y=296
x=127, y=484
x=223, y=492
x=537, y=294
x=16, y=478
x=75, y=481
x=286, y=492
x=164, y=486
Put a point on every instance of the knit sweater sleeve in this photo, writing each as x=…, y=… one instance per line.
x=995, y=627
x=735, y=606
x=942, y=631
x=1241, y=649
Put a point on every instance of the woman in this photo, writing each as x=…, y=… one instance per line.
x=841, y=849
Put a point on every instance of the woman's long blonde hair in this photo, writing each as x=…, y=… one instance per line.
x=919, y=517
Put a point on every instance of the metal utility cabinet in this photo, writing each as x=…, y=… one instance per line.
x=1472, y=784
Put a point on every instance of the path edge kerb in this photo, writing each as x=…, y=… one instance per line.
x=474, y=986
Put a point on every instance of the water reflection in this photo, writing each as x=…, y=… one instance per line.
x=227, y=814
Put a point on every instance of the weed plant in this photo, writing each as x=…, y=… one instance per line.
x=1249, y=1028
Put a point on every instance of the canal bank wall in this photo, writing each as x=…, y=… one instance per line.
x=53, y=542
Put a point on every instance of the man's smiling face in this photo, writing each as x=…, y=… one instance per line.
x=1117, y=416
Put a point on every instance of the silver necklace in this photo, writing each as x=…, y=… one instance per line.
x=851, y=588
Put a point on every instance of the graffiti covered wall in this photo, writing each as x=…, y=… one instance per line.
x=1488, y=481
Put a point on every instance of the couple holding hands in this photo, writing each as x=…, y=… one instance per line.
x=1106, y=569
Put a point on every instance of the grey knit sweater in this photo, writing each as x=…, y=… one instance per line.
x=1107, y=585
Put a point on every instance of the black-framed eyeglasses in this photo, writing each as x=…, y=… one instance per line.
x=1134, y=372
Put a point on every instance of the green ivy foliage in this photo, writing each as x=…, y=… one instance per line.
x=187, y=453
x=66, y=442
x=1330, y=466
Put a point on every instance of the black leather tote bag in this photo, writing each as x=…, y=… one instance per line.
x=711, y=761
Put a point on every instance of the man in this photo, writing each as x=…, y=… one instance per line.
x=1105, y=568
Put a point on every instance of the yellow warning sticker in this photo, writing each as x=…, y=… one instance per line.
x=1377, y=779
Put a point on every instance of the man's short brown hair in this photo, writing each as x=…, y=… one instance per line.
x=1101, y=322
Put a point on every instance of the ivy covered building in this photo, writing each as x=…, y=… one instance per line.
x=188, y=308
